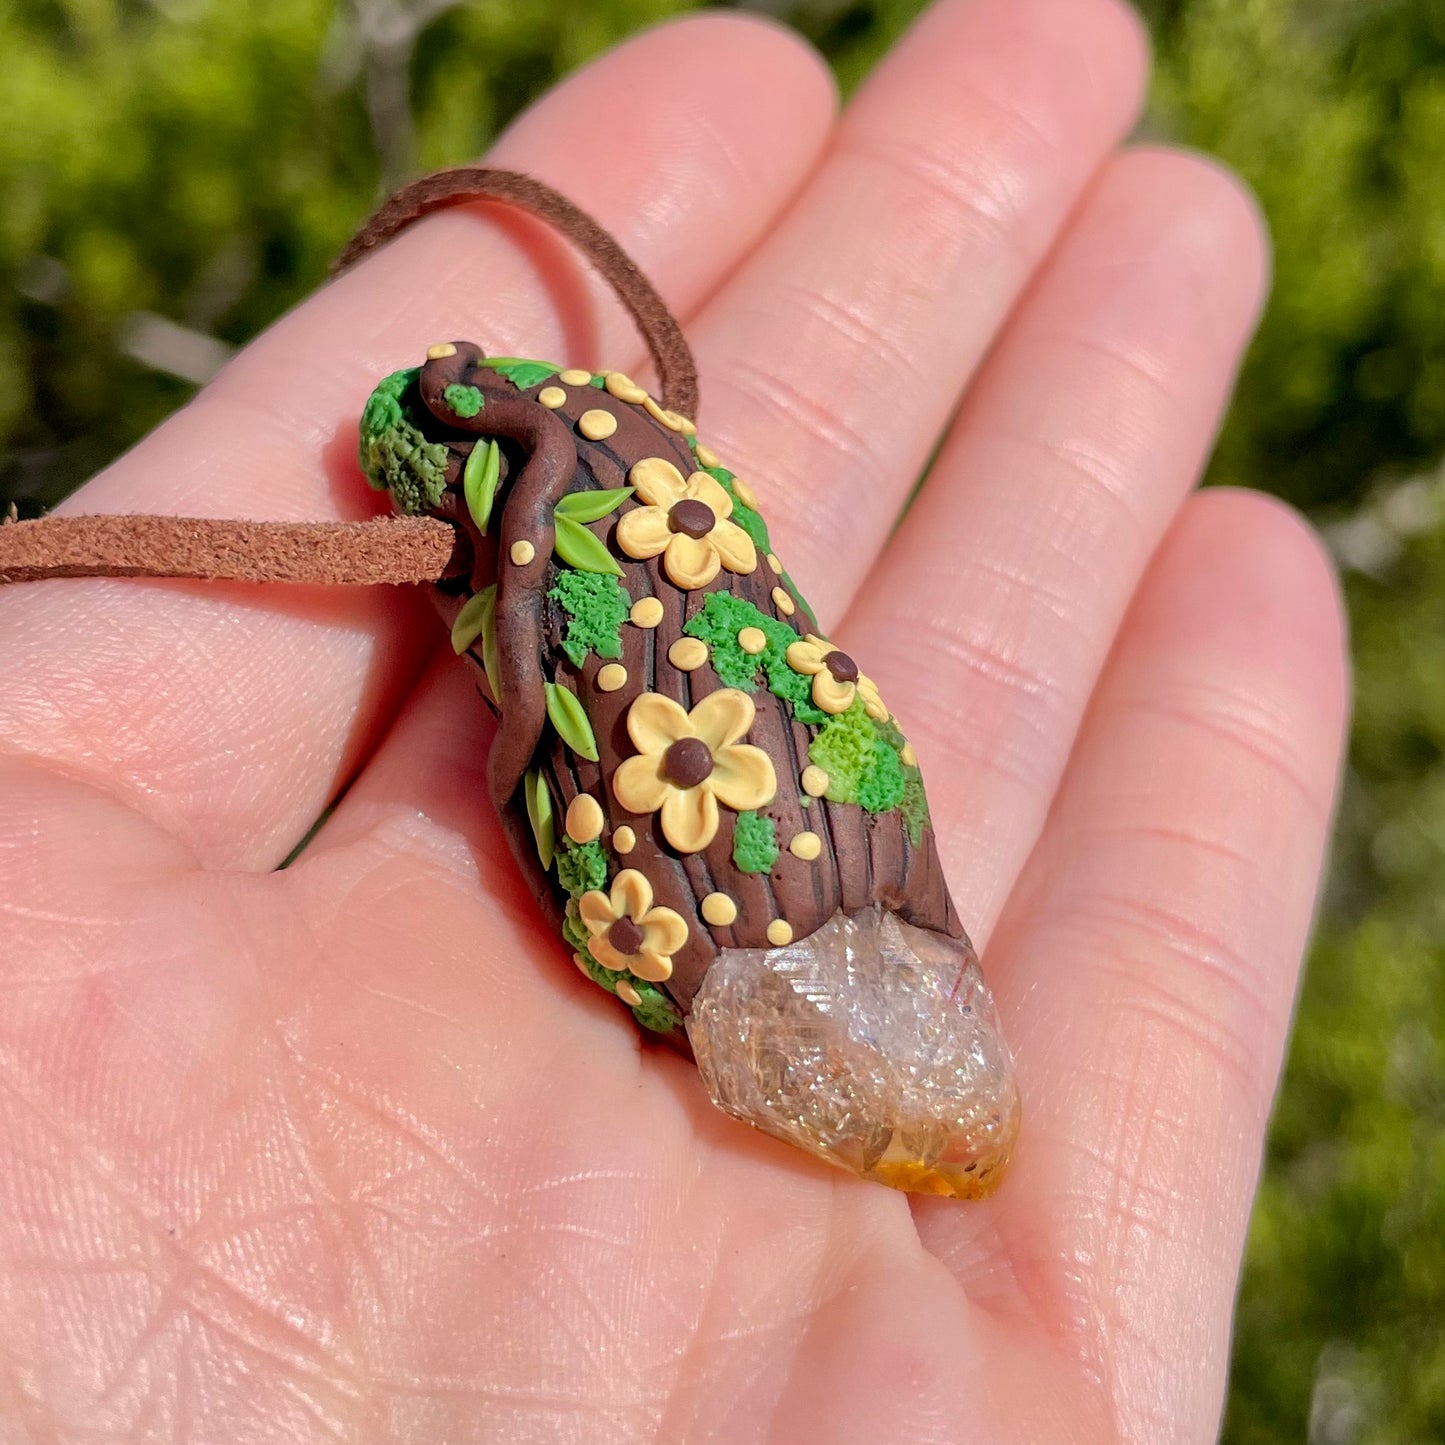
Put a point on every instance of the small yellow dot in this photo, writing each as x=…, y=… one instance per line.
x=687, y=653
x=806, y=846
x=752, y=640
x=552, y=397
x=597, y=425
x=775, y=564
x=573, y=376
x=815, y=781
x=624, y=388
x=584, y=818
x=611, y=676
x=907, y=756
x=522, y=552
x=707, y=456
x=780, y=931
x=627, y=993
x=783, y=602
x=624, y=840
x=719, y=910
x=744, y=494
x=441, y=349
x=646, y=612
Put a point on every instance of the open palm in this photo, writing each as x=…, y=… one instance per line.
x=349, y=1152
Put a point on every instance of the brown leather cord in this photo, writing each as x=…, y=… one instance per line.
x=676, y=369
x=355, y=554
x=360, y=554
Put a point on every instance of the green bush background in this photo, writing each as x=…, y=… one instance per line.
x=197, y=162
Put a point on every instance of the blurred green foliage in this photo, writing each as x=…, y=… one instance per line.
x=1334, y=110
x=203, y=162
x=174, y=173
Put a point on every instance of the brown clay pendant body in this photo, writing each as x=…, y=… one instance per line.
x=713, y=804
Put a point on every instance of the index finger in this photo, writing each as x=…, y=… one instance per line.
x=230, y=716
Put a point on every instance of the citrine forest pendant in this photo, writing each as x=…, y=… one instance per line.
x=714, y=806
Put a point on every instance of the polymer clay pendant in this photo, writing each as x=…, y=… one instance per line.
x=714, y=805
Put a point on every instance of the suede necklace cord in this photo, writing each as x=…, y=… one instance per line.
x=356, y=554
x=676, y=369
x=387, y=550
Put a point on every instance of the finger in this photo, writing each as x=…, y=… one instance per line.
x=836, y=356
x=428, y=778
x=229, y=716
x=993, y=610
x=1146, y=964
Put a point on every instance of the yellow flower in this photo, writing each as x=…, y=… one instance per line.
x=626, y=932
x=836, y=679
x=686, y=521
x=689, y=762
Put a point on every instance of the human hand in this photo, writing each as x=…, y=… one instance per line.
x=350, y=1152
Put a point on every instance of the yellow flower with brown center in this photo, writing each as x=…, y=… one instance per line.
x=689, y=762
x=687, y=522
x=836, y=679
x=625, y=931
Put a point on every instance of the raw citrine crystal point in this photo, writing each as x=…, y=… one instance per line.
x=870, y=1043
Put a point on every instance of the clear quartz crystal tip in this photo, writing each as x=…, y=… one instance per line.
x=870, y=1043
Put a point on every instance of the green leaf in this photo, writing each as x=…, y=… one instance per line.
x=479, y=482
x=538, y=797
x=522, y=373
x=581, y=548
x=478, y=619
x=473, y=620
x=569, y=718
x=491, y=661
x=592, y=506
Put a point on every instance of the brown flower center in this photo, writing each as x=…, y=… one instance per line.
x=843, y=668
x=687, y=762
x=691, y=517
x=625, y=936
